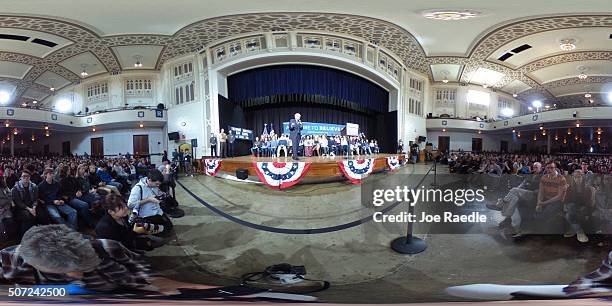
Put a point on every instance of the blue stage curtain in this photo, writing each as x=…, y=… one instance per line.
x=326, y=85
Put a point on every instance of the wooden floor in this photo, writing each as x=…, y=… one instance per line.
x=321, y=166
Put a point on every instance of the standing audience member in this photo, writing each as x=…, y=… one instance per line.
x=213, y=145
x=223, y=143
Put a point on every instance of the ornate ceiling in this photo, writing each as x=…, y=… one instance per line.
x=86, y=46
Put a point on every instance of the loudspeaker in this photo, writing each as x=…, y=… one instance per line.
x=161, y=106
x=86, y=110
x=422, y=138
x=174, y=136
x=575, y=114
x=242, y=173
x=194, y=142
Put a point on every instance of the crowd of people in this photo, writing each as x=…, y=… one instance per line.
x=272, y=145
x=112, y=198
x=571, y=191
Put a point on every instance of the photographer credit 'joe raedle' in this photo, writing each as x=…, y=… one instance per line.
x=449, y=198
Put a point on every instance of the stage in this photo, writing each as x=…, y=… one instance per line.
x=321, y=169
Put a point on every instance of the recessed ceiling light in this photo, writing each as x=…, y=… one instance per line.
x=450, y=14
x=582, y=76
x=587, y=95
x=514, y=95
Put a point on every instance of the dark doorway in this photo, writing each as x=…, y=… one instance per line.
x=443, y=144
x=97, y=146
x=141, y=145
x=476, y=144
x=503, y=146
x=66, y=148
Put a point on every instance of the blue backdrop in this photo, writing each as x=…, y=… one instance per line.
x=312, y=83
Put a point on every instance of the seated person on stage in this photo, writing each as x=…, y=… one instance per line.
x=344, y=145
x=551, y=194
x=316, y=149
x=324, y=142
x=144, y=202
x=105, y=176
x=265, y=144
x=579, y=204
x=273, y=146
x=283, y=145
x=308, y=146
x=114, y=225
x=48, y=193
x=366, y=147
x=526, y=191
x=256, y=149
x=25, y=198
x=376, y=148
x=332, y=143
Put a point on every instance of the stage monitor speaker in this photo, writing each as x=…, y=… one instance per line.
x=422, y=138
x=174, y=136
x=242, y=173
x=161, y=106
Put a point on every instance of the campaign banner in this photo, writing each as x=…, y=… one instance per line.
x=313, y=128
x=241, y=133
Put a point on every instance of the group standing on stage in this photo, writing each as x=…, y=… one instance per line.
x=272, y=145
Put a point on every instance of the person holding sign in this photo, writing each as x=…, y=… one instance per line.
x=295, y=126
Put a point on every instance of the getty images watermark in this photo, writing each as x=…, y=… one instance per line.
x=456, y=198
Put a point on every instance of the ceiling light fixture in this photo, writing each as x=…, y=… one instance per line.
x=93, y=129
x=141, y=125
x=138, y=63
x=567, y=44
x=4, y=97
x=84, y=72
x=445, y=76
x=514, y=95
x=450, y=14
x=587, y=95
x=24, y=104
x=34, y=102
x=582, y=76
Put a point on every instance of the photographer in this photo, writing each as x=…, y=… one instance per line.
x=114, y=225
x=145, y=203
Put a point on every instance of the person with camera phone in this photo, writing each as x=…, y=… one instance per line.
x=145, y=199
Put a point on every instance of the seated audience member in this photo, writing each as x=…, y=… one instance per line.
x=10, y=177
x=603, y=208
x=48, y=193
x=55, y=254
x=526, y=191
x=96, y=181
x=579, y=204
x=88, y=192
x=114, y=225
x=7, y=220
x=106, y=177
x=551, y=194
x=70, y=191
x=144, y=202
x=25, y=197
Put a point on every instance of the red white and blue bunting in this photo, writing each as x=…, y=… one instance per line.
x=393, y=162
x=356, y=170
x=281, y=175
x=212, y=166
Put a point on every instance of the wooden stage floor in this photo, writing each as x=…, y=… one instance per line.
x=322, y=167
